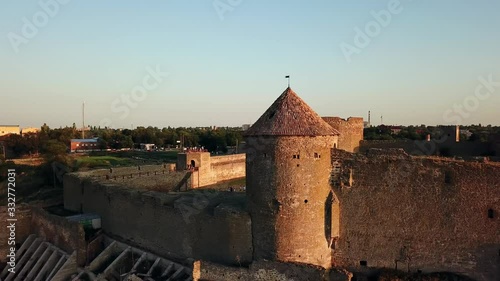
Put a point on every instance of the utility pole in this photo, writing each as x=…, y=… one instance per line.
x=83, y=120
x=182, y=142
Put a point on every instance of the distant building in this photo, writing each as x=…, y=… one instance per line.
x=148, y=146
x=9, y=129
x=448, y=134
x=84, y=144
x=245, y=127
x=395, y=130
x=466, y=133
x=30, y=130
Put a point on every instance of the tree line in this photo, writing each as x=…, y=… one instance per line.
x=474, y=132
x=57, y=141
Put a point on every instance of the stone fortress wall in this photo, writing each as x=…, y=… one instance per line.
x=208, y=170
x=198, y=224
x=387, y=209
x=351, y=131
x=417, y=213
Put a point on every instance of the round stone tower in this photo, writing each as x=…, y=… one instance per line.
x=287, y=172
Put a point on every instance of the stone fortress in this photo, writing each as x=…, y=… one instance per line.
x=314, y=209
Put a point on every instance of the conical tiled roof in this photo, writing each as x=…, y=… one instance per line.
x=289, y=115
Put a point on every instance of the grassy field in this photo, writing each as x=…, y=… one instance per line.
x=102, y=161
x=35, y=177
x=107, y=159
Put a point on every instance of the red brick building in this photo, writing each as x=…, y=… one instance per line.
x=84, y=144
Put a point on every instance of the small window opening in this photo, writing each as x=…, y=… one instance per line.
x=363, y=263
x=491, y=213
x=316, y=155
x=298, y=156
x=265, y=155
x=294, y=156
x=298, y=165
x=305, y=201
x=334, y=145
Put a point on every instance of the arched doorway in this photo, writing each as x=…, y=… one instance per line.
x=193, y=164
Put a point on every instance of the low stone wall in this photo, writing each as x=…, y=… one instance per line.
x=23, y=228
x=432, y=147
x=67, y=235
x=209, y=170
x=266, y=270
x=178, y=225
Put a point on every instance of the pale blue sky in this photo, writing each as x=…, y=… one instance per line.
x=226, y=70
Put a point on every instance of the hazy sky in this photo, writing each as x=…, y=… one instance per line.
x=416, y=62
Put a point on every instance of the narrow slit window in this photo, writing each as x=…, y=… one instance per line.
x=447, y=177
x=491, y=213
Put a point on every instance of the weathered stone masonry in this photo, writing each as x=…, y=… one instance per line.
x=209, y=170
x=201, y=225
x=418, y=213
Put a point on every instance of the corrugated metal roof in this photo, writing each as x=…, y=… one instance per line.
x=289, y=115
x=83, y=140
